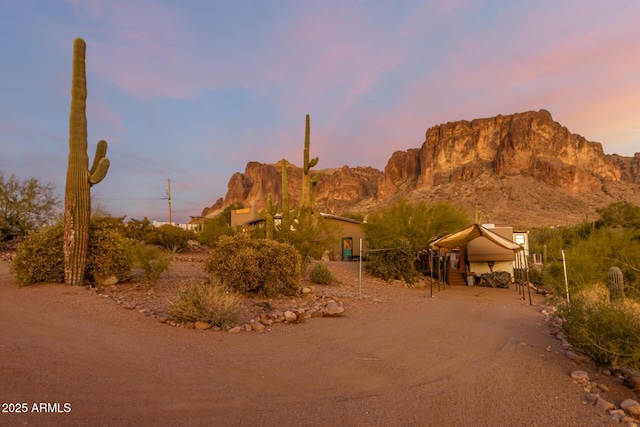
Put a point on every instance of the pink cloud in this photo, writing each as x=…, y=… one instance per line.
x=140, y=46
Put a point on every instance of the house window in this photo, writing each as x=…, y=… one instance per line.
x=519, y=239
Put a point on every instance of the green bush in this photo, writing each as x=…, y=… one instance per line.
x=175, y=239
x=152, y=260
x=109, y=254
x=138, y=229
x=205, y=303
x=320, y=274
x=40, y=256
x=212, y=230
x=255, y=265
x=607, y=333
x=395, y=262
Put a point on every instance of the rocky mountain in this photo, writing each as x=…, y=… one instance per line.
x=523, y=169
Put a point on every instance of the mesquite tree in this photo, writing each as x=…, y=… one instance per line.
x=80, y=178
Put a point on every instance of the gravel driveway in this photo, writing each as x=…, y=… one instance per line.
x=468, y=357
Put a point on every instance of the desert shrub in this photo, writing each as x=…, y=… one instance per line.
x=138, y=229
x=320, y=274
x=408, y=228
x=394, y=262
x=212, y=230
x=152, y=260
x=255, y=265
x=218, y=226
x=109, y=254
x=175, y=239
x=589, y=254
x=40, y=256
x=309, y=234
x=205, y=303
x=607, y=333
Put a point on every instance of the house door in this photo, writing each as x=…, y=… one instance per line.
x=347, y=248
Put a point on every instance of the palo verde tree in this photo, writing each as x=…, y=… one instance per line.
x=400, y=231
x=25, y=205
x=80, y=178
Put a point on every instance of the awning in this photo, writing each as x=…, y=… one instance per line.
x=460, y=238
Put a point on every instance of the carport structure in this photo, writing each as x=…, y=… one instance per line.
x=476, y=246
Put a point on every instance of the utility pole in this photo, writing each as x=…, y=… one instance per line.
x=169, y=198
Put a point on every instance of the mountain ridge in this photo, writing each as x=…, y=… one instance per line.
x=522, y=169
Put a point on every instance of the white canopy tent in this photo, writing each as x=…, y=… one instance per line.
x=462, y=237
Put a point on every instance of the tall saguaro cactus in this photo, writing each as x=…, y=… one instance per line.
x=309, y=183
x=80, y=178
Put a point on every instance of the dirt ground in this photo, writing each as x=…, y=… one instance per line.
x=467, y=356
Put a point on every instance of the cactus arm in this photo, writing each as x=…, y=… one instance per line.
x=267, y=214
x=286, y=223
x=101, y=152
x=100, y=172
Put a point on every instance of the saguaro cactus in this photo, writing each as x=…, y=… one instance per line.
x=268, y=216
x=77, y=207
x=286, y=208
x=615, y=282
x=309, y=183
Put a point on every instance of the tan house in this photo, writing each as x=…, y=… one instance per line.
x=349, y=232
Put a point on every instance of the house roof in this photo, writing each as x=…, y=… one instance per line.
x=324, y=215
x=460, y=238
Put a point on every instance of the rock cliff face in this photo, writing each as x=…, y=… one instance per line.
x=521, y=169
x=339, y=190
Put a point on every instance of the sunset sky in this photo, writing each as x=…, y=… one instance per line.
x=193, y=90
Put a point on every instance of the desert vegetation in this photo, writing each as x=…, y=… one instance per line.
x=397, y=233
x=602, y=315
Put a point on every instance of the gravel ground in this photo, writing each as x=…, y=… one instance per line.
x=466, y=357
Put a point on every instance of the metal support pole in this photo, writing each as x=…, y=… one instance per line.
x=360, y=271
x=566, y=280
x=526, y=269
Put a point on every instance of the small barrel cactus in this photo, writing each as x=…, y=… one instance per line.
x=615, y=282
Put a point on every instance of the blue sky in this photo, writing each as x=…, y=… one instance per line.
x=193, y=90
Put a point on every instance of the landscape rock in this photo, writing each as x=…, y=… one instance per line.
x=631, y=407
x=105, y=280
x=632, y=381
x=333, y=308
x=580, y=376
x=202, y=326
x=578, y=360
x=290, y=316
x=234, y=330
x=604, y=405
x=617, y=414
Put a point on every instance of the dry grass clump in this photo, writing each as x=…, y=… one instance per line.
x=152, y=261
x=209, y=303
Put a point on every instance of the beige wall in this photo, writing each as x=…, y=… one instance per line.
x=242, y=216
x=346, y=229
